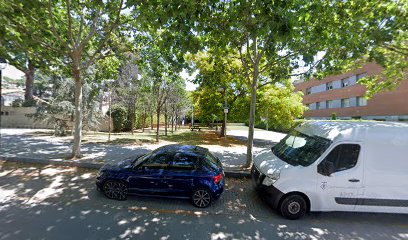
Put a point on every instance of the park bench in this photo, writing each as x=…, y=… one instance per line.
x=195, y=127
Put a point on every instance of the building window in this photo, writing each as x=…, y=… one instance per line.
x=345, y=82
x=345, y=102
x=329, y=104
x=360, y=76
x=329, y=85
x=361, y=101
x=308, y=91
x=318, y=105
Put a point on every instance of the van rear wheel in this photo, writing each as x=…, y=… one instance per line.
x=293, y=207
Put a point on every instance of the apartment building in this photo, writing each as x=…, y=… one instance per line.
x=343, y=95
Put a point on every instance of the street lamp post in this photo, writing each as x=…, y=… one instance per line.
x=225, y=110
x=192, y=116
x=3, y=65
x=110, y=114
x=225, y=113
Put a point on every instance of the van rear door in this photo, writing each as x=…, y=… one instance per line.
x=340, y=178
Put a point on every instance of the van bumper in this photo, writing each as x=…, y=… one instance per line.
x=270, y=194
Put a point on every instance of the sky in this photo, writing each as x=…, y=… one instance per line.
x=189, y=85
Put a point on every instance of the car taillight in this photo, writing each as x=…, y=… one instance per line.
x=217, y=178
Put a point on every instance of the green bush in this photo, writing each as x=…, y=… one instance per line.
x=17, y=103
x=29, y=103
x=119, y=115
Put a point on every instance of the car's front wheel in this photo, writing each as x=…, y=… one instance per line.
x=201, y=198
x=293, y=207
x=115, y=190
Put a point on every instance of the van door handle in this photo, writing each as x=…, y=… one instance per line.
x=354, y=180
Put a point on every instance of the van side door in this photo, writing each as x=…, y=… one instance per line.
x=340, y=178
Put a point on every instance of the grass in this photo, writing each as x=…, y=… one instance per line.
x=202, y=138
x=182, y=136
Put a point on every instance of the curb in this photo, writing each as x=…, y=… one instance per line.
x=90, y=165
x=56, y=162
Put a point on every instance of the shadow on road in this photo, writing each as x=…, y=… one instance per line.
x=45, y=202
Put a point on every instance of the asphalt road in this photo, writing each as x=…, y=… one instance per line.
x=46, y=202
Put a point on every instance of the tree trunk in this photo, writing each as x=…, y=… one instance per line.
x=76, y=148
x=29, y=84
x=251, y=127
x=222, y=128
x=254, y=86
x=165, y=119
x=151, y=120
x=158, y=124
x=143, y=120
x=172, y=123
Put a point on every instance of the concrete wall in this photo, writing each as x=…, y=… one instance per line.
x=15, y=117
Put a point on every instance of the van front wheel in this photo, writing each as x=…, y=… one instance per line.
x=293, y=207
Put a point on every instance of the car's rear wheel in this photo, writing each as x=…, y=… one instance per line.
x=201, y=198
x=115, y=190
x=293, y=207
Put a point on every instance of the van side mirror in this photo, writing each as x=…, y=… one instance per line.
x=325, y=168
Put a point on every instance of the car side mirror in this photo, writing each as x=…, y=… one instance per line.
x=326, y=168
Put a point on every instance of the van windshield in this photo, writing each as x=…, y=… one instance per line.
x=300, y=149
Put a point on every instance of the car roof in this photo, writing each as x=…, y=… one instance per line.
x=184, y=148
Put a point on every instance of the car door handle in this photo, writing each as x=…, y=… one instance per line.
x=354, y=180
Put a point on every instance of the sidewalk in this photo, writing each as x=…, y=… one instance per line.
x=25, y=145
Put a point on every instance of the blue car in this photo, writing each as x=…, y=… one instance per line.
x=180, y=171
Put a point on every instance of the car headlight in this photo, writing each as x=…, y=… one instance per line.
x=271, y=178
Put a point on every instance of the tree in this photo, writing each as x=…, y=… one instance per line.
x=280, y=105
x=128, y=87
x=220, y=78
x=19, y=48
x=267, y=37
x=275, y=39
x=58, y=108
x=78, y=34
x=360, y=31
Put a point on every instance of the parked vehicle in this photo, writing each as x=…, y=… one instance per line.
x=180, y=171
x=337, y=166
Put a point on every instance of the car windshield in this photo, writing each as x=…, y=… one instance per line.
x=142, y=158
x=300, y=149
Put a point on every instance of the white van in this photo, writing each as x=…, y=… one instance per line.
x=336, y=166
